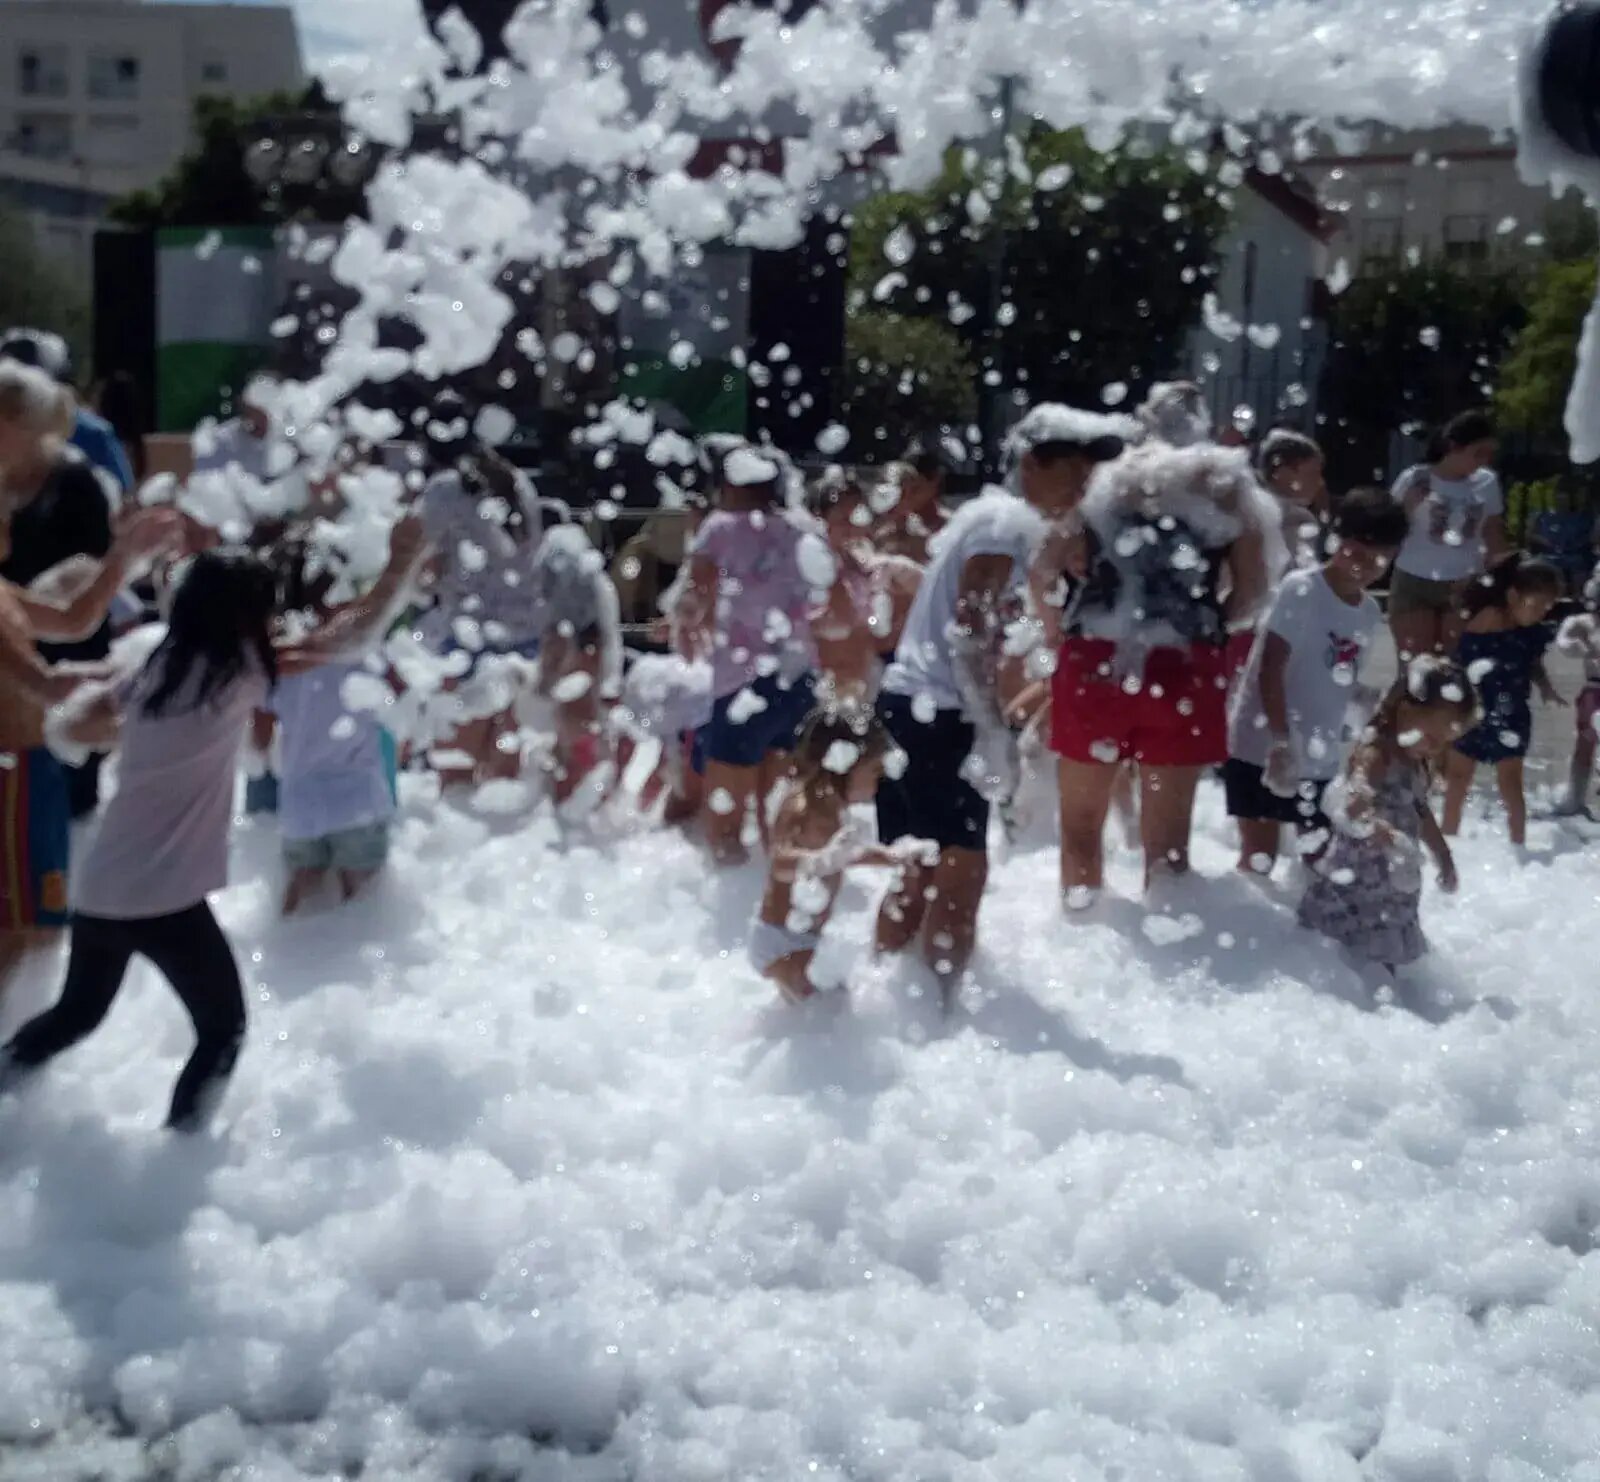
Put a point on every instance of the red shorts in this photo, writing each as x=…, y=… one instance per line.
x=1177, y=718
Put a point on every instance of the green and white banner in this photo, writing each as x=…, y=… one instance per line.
x=217, y=291
x=707, y=309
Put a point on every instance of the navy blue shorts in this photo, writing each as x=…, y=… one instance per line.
x=751, y=738
x=1504, y=736
x=931, y=799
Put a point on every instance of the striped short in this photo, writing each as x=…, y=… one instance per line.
x=35, y=840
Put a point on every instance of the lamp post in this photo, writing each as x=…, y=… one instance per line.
x=991, y=385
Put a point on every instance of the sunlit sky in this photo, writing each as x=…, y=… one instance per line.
x=330, y=28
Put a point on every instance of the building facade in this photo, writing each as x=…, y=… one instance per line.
x=1451, y=194
x=97, y=97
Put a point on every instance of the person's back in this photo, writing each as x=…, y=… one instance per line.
x=163, y=842
x=332, y=771
x=994, y=523
x=764, y=596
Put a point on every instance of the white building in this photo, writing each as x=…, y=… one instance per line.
x=1451, y=193
x=1273, y=339
x=97, y=96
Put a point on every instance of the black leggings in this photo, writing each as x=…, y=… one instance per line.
x=190, y=949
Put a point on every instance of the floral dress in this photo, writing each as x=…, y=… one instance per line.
x=1367, y=893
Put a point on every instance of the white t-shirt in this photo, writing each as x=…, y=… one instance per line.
x=1327, y=640
x=1446, y=539
x=163, y=842
x=994, y=524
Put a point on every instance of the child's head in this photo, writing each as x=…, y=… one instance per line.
x=220, y=619
x=1431, y=706
x=839, y=502
x=1055, y=450
x=924, y=470
x=1464, y=445
x=1290, y=465
x=1175, y=413
x=748, y=477
x=1523, y=588
x=1370, y=527
x=304, y=580
x=841, y=754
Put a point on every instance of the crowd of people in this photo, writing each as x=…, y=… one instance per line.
x=850, y=675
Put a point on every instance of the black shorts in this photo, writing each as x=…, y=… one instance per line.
x=1250, y=797
x=931, y=799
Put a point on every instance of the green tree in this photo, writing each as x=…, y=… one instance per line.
x=210, y=185
x=903, y=377
x=1409, y=349
x=35, y=292
x=1534, y=380
x=1107, y=255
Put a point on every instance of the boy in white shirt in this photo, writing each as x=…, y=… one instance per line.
x=1287, y=726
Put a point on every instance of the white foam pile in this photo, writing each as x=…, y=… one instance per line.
x=525, y=1175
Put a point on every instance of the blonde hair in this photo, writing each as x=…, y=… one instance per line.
x=29, y=398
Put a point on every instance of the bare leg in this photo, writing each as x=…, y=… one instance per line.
x=353, y=882
x=774, y=770
x=1577, y=797
x=498, y=749
x=1508, y=774
x=1259, y=840
x=1416, y=632
x=1125, y=799
x=1086, y=790
x=728, y=791
x=302, y=885
x=951, y=929
x=1458, y=770
x=17, y=946
x=792, y=974
x=904, y=908
x=1166, y=814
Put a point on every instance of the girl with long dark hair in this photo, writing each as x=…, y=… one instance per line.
x=163, y=844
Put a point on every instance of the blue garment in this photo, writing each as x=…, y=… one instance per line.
x=1502, y=666
x=95, y=438
x=739, y=736
x=333, y=771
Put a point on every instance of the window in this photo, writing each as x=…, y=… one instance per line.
x=213, y=70
x=45, y=136
x=42, y=71
x=113, y=76
x=1466, y=238
x=114, y=139
x=1380, y=241
x=1466, y=222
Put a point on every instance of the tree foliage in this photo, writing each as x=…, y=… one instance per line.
x=1409, y=349
x=903, y=377
x=35, y=292
x=1537, y=373
x=1107, y=256
x=210, y=185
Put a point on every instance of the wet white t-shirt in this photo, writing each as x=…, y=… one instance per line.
x=1446, y=538
x=163, y=842
x=1328, y=639
x=994, y=524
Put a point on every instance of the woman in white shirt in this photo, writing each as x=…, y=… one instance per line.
x=1458, y=529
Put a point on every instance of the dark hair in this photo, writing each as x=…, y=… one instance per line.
x=220, y=621
x=1433, y=682
x=303, y=581
x=483, y=472
x=1096, y=450
x=1374, y=517
x=833, y=489
x=1282, y=448
x=759, y=495
x=825, y=728
x=1513, y=573
x=928, y=458
x=1460, y=432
